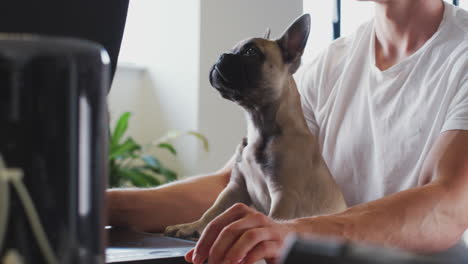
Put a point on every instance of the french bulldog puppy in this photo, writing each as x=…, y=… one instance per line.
x=279, y=169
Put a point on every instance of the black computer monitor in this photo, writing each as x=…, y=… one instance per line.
x=101, y=21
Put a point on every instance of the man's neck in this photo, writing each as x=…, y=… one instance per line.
x=402, y=27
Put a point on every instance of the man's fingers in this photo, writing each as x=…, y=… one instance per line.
x=248, y=241
x=213, y=229
x=263, y=250
x=231, y=234
x=189, y=255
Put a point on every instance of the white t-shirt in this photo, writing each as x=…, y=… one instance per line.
x=375, y=128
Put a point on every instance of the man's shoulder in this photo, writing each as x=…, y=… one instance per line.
x=331, y=61
x=458, y=41
x=460, y=18
x=340, y=48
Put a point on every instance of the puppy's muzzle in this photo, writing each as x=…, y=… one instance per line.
x=227, y=71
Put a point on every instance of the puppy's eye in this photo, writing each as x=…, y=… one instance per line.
x=252, y=51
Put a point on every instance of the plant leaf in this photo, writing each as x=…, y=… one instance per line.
x=144, y=174
x=139, y=178
x=114, y=179
x=168, y=174
x=124, y=150
x=171, y=135
x=154, y=169
x=168, y=146
x=120, y=128
x=151, y=161
x=129, y=177
x=202, y=138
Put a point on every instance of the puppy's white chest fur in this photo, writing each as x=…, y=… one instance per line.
x=256, y=180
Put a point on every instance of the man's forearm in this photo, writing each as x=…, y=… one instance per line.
x=154, y=209
x=421, y=219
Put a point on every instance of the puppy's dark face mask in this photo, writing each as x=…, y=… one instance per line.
x=253, y=74
x=239, y=76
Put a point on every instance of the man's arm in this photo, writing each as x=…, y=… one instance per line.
x=429, y=218
x=175, y=203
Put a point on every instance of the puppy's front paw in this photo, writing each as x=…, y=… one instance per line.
x=185, y=231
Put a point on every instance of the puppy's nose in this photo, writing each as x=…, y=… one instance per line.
x=222, y=57
x=225, y=56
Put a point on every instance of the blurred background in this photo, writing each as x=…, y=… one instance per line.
x=168, y=49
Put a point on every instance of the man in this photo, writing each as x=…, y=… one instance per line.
x=389, y=105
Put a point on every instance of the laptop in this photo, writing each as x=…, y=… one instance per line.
x=131, y=246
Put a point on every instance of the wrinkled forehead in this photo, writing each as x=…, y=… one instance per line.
x=269, y=48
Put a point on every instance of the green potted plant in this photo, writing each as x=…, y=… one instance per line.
x=131, y=164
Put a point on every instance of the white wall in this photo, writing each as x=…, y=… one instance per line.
x=174, y=43
x=321, y=33
x=162, y=40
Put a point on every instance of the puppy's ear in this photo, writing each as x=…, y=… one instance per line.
x=294, y=40
x=267, y=33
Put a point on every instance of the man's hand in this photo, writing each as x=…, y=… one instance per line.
x=240, y=235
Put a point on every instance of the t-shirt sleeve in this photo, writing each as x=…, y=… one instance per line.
x=457, y=115
x=307, y=87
